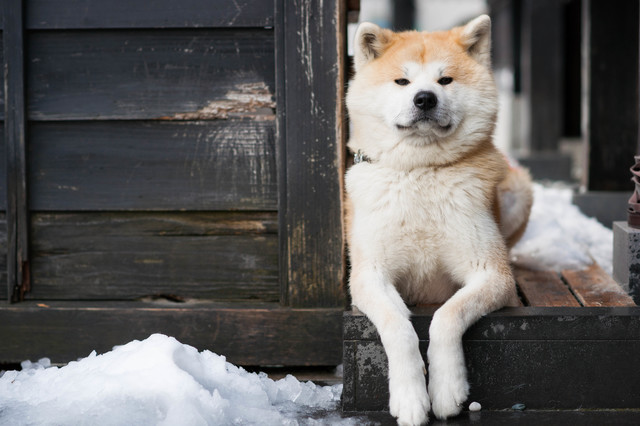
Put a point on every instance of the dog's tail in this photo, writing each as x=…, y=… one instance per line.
x=515, y=198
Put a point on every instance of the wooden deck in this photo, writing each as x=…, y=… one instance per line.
x=591, y=287
x=571, y=345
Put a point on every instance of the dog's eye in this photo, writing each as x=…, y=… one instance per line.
x=402, y=81
x=445, y=80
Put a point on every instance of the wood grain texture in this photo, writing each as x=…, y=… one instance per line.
x=594, y=287
x=1, y=73
x=3, y=256
x=15, y=150
x=124, y=256
x=82, y=14
x=151, y=74
x=216, y=165
x=516, y=354
x=3, y=169
x=260, y=335
x=543, y=288
x=311, y=151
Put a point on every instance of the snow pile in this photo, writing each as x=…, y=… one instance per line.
x=559, y=236
x=159, y=381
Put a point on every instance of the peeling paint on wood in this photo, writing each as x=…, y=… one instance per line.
x=146, y=74
x=250, y=100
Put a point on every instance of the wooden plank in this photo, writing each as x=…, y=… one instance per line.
x=1, y=73
x=216, y=165
x=83, y=14
x=524, y=323
x=312, y=151
x=543, y=288
x=497, y=347
x=498, y=379
x=594, y=287
x=3, y=253
x=610, y=105
x=3, y=169
x=262, y=335
x=124, y=256
x=15, y=147
x=190, y=74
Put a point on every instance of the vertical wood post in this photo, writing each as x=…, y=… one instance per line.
x=310, y=46
x=17, y=238
x=542, y=72
x=610, y=92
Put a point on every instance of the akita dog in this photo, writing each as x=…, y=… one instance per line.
x=432, y=207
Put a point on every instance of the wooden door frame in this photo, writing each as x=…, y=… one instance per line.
x=311, y=130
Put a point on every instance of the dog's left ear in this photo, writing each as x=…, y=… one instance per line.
x=476, y=38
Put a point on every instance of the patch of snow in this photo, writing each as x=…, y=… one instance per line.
x=160, y=381
x=559, y=236
x=475, y=406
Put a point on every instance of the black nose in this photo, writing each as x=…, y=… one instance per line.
x=425, y=100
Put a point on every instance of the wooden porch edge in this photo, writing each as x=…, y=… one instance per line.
x=263, y=334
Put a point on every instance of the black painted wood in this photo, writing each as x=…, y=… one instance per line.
x=312, y=147
x=144, y=165
x=3, y=169
x=1, y=73
x=543, y=71
x=546, y=358
x=15, y=148
x=612, y=105
x=151, y=74
x=514, y=417
x=3, y=253
x=258, y=334
x=66, y=14
x=121, y=256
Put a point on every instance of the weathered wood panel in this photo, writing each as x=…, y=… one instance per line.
x=3, y=169
x=150, y=74
x=15, y=149
x=262, y=335
x=3, y=257
x=594, y=287
x=526, y=355
x=311, y=49
x=215, y=165
x=544, y=288
x=45, y=14
x=111, y=256
x=1, y=73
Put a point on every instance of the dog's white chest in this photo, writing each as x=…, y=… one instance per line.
x=418, y=200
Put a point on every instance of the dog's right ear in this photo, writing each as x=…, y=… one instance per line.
x=370, y=43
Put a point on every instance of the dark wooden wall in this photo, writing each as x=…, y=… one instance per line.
x=127, y=117
x=190, y=150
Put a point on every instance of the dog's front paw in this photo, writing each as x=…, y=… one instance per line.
x=448, y=384
x=409, y=401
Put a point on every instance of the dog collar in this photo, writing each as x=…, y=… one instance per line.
x=360, y=157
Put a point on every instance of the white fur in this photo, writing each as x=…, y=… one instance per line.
x=421, y=230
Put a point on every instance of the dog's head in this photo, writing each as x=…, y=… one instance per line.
x=420, y=88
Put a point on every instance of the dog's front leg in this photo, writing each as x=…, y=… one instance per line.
x=485, y=290
x=379, y=300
